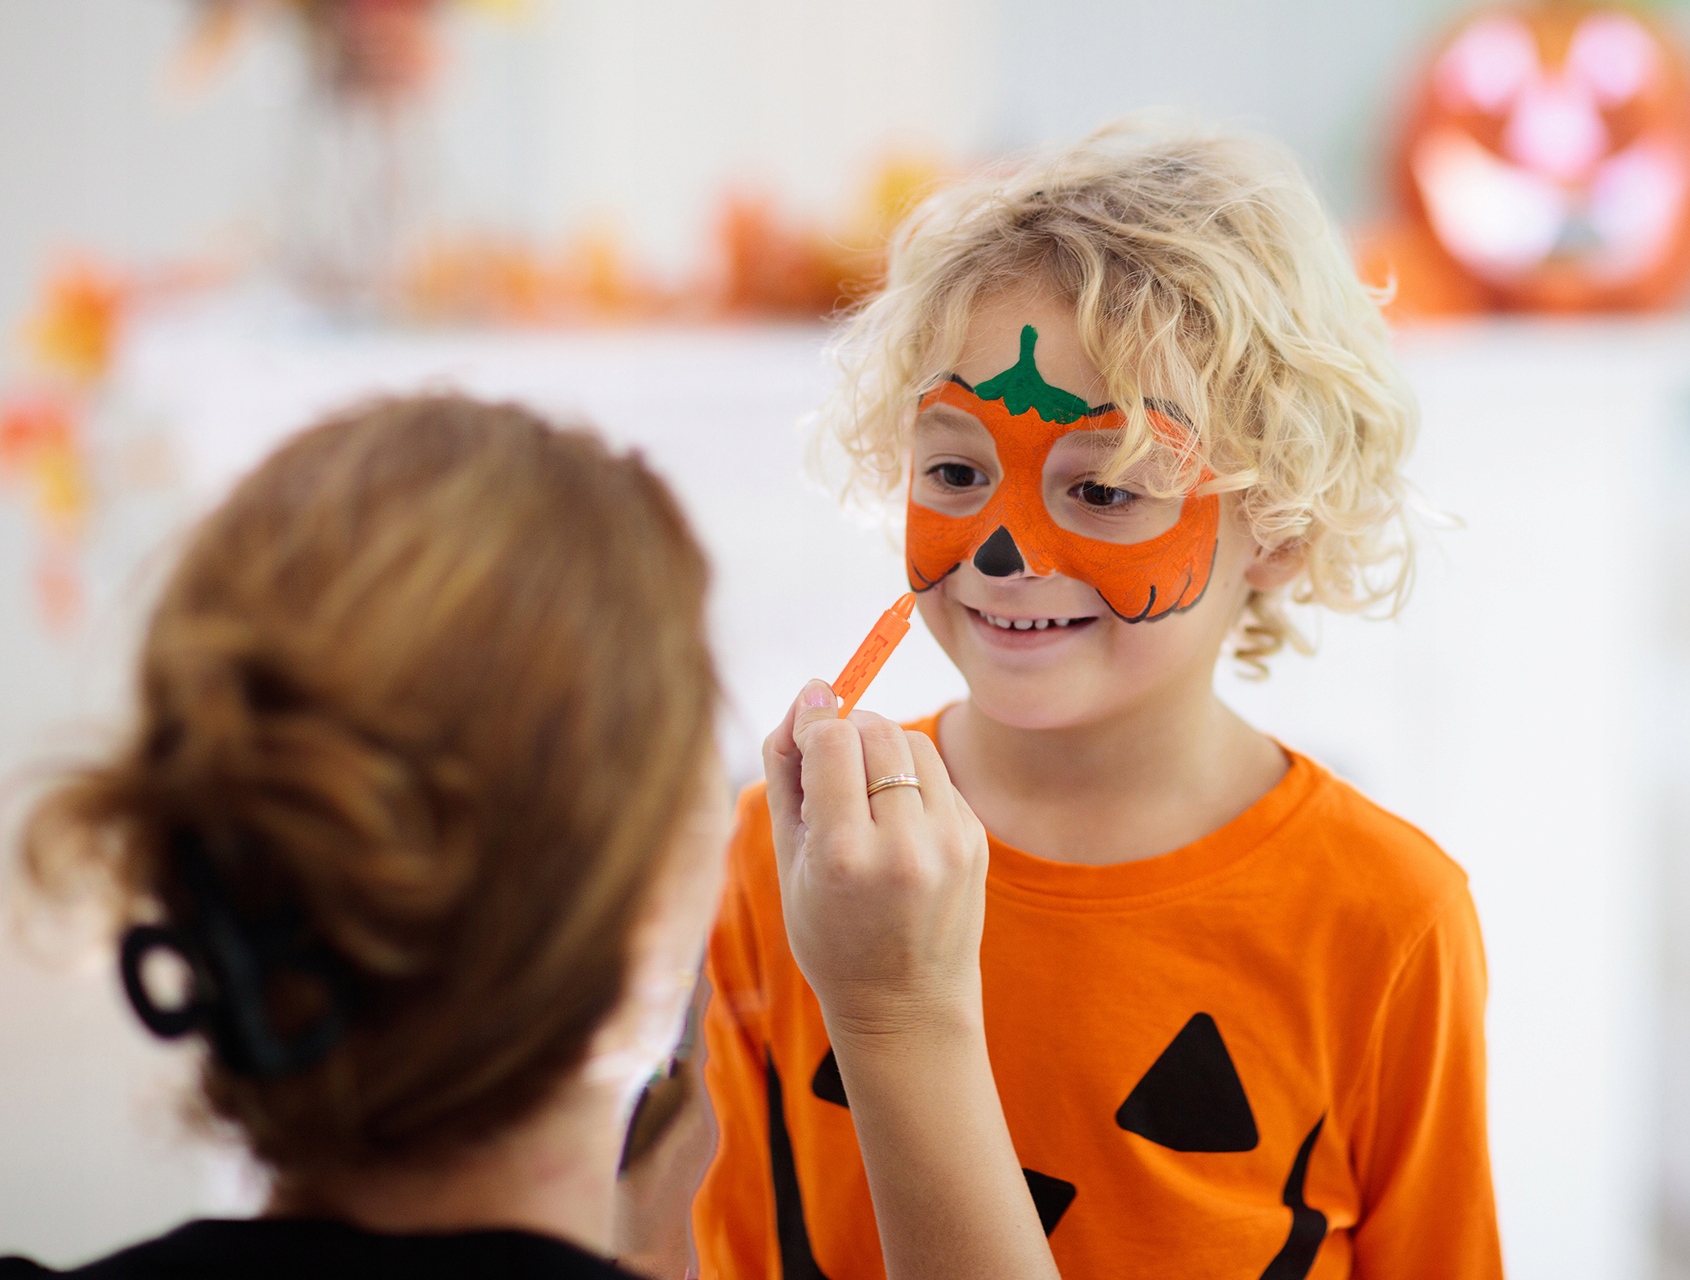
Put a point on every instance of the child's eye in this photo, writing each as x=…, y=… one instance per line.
x=957, y=475
x=1101, y=495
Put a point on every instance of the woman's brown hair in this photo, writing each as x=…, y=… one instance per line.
x=434, y=680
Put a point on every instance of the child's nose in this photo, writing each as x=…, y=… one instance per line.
x=998, y=556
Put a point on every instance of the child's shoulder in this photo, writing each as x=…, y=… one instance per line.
x=752, y=808
x=751, y=849
x=1366, y=857
x=1364, y=861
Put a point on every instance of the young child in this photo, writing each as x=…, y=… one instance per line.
x=1234, y=1010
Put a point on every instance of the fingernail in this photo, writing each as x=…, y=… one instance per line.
x=816, y=694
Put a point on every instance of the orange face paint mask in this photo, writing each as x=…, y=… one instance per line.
x=1015, y=533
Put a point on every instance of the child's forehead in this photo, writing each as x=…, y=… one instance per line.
x=988, y=341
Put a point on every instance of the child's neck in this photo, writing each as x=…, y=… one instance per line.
x=1145, y=782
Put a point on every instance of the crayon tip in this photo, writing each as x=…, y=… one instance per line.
x=905, y=606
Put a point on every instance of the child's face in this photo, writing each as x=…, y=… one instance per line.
x=1079, y=662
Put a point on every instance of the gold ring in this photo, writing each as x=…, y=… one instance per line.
x=894, y=780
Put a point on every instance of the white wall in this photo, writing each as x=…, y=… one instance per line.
x=1324, y=76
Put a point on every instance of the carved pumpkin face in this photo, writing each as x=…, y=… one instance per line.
x=1548, y=153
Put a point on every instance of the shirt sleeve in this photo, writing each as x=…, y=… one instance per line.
x=733, y=1212
x=1422, y=1151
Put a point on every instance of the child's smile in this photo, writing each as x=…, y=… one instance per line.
x=1021, y=632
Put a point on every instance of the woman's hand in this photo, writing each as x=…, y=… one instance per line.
x=884, y=895
x=885, y=901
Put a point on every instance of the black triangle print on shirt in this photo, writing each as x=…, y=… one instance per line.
x=1051, y=1197
x=1191, y=1099
x=796, y=1260
x=826, y=1083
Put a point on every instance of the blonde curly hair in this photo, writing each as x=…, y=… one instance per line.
x=1201, y=266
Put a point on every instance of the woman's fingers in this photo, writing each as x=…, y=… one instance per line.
x=783, y=768
x=937, y=793
x=886, y=754
x=833, y=791
x=883, y=897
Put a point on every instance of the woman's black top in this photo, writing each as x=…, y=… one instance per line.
x=296, y=1249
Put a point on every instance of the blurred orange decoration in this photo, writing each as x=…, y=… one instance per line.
x=43, y=447
x=484, y=280
x=40, y=443
x=74, y=331
x=71, y=339
x=1544, y=166
x=765, y=265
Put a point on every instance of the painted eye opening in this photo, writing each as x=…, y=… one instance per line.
x=957, y=475
x=1092, y=494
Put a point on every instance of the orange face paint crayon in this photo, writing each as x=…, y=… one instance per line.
x=872, y=653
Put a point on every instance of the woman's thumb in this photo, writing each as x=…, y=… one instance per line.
x=816, y=701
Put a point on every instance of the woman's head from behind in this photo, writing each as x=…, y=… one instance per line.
x=431, y=692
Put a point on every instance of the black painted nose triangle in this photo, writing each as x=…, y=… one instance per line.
x=998, y=556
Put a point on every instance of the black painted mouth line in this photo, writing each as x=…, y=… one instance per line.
x=1308, y=1225
x=926, y=583
x=791, y=1230
x=1148, y=613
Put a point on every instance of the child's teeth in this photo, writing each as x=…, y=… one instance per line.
x=1025, y=624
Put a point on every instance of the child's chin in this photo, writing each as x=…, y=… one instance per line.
x=1032, y=704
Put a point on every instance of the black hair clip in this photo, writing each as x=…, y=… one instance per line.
x=233, y=962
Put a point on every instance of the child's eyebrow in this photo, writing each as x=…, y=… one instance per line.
x=1168, y=409
x=948, y=417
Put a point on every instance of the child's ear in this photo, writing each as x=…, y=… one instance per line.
x=1273, y=569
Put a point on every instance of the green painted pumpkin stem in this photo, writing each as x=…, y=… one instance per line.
x=1022, y=387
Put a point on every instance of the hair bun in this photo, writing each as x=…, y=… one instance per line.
x=428, y=693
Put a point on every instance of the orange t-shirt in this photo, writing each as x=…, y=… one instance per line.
x=1259, y=1057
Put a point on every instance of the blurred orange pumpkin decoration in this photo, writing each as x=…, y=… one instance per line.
x=1546, y=163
